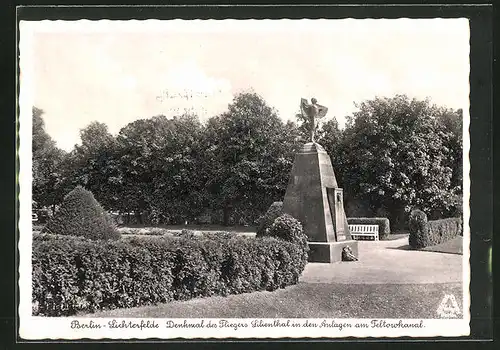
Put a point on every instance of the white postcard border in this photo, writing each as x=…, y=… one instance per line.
x=37, y=328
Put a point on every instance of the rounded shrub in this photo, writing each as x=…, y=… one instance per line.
x=81, y=215
x=289, y=229
x=274, y=211
x=419, y=229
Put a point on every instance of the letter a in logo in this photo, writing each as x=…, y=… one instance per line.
x=448, y=307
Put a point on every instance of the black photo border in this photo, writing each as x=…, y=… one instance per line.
x=481, y=137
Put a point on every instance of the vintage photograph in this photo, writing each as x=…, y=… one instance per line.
x=244, y=178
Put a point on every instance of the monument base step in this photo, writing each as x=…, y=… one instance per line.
x=330, y=252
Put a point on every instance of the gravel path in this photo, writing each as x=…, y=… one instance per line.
x=388, y=262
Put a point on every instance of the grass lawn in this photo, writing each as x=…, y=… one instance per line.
x=394, y=236
x=309, y=300
x=159, y=230
x=198, y=227
x=453, y=246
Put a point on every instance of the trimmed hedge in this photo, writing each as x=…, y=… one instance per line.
x=275, y=210
x=444, y=229
x=424, y=233
x=81, y=215
x=75, y=274
x=384, y=227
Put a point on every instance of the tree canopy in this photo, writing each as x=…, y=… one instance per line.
x=251, y=152
x=46, y=169
x=394, y=154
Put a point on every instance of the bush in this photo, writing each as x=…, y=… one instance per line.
x=37, y=228
x=425, y=233
x=274, y=211
x=75, y=274
x=419, y=230
x=445, y=229
x=384, y=228
x=290, y=229
x=81, y=215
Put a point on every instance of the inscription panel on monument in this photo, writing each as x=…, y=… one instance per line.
x=335, y=199
x=339, y=215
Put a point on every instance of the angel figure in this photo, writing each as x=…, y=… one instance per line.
x=311, y=112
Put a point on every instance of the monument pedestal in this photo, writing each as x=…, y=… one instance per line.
x=314, y=198
x=330, y=252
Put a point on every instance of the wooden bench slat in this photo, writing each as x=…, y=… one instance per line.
x=359, y=230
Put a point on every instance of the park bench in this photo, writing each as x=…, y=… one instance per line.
x=364, y=231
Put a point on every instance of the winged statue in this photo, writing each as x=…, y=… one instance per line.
x=311, y=112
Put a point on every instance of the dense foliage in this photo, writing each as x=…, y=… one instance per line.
x=396, y=154
x=95, y=164
x=254, y=152
x=419, y=229
x=81, y=215
x=48, y=189
x=73, y=274
x=443, y=230
x=384, y=226
x=289, y=229
x=424, y=233
x=393, y=154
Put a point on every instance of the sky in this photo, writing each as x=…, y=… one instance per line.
x=117, y=71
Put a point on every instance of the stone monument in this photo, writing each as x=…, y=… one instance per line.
x=314, y=198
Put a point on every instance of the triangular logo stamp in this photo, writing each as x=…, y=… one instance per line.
x=448, y=307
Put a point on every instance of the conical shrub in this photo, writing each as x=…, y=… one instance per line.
x=419, y=229
x=81, y=215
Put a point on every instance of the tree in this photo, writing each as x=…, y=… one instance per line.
x=452, y=122
x=395, y=156
x=249, y=154
x=330, y=137
x=94, y=164
x=47, y=158
x=159, y=166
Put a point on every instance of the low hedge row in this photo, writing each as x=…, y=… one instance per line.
x=424, y=233
x=74, y=274
x=445, y=229
x=384, y=227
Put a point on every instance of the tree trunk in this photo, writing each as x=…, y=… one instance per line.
x=227, y=215
x=138, y=217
